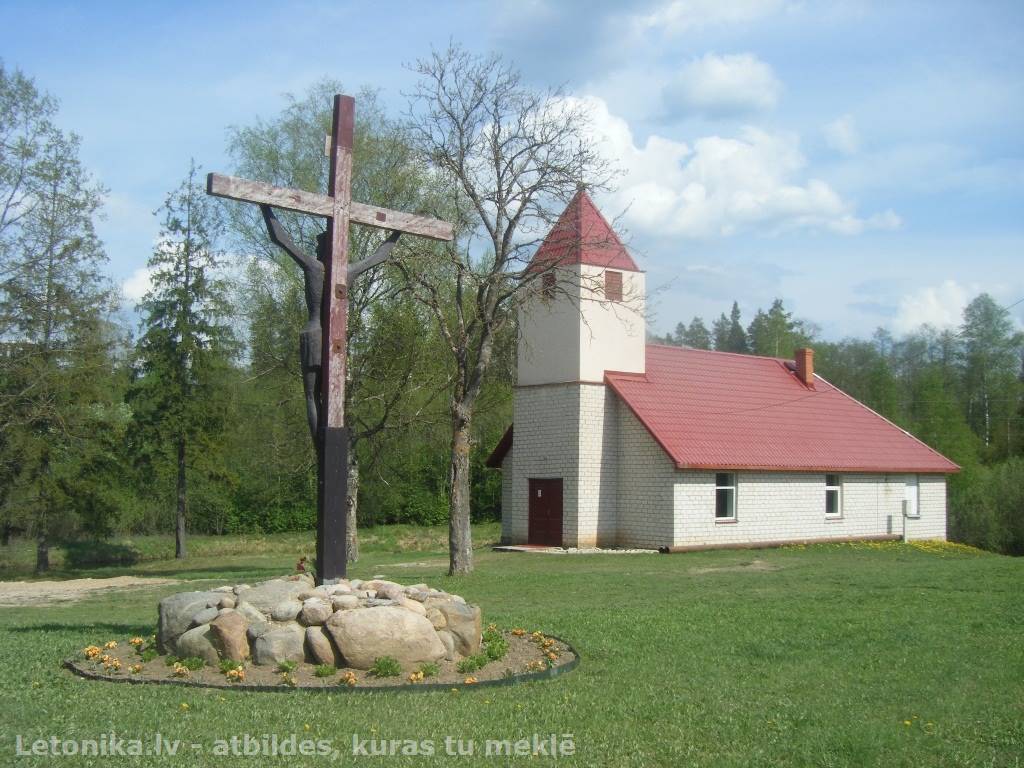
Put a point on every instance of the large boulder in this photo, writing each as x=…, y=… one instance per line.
x=463, y=621
x=315, y=611
x=196, y=642
x=363, y=635
x=280, y=644
x=344, y=602
x=249, y=613
x=268, y=594
x=286, y=610
x=205, y=616
x=175, y=616
x=319, y=647
x=227, y=633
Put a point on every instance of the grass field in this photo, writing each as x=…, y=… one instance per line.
x=835, y=655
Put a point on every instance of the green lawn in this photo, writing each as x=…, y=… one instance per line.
x=882, y=655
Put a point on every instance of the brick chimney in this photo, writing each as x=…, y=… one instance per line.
x=805, y=366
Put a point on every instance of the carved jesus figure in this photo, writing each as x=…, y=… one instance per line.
x=311, y=336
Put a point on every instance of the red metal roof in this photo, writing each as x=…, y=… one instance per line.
x=716, y=410
x=583, y=236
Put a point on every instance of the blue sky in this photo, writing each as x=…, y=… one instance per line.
x=862, y=161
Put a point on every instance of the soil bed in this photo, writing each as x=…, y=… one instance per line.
x=526, y=659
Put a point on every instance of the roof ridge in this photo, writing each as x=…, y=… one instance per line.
x=746, y=355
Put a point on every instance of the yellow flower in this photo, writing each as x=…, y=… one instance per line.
x=91, y=652
x=135, y=669
x=136, y=641
x=110, y=644
x=906, y=722
x=305, y=726
x=184, y=707
x=518, y=631
x=470, y=680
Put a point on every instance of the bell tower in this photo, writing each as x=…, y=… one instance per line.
x=583, y=315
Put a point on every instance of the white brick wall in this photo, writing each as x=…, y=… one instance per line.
x=598, y=465
x=545, y=444
x=646, y=480
x=619, y=486
x=932, y=504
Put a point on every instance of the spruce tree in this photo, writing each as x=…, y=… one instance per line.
x=54, y=310
x=180, y=396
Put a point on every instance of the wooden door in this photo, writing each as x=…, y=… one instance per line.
x=545, y=512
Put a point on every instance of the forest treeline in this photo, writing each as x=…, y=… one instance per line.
x=959, y=390
x=186, y=411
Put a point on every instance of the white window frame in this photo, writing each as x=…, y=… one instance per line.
x=735, y=493
x=838, y=488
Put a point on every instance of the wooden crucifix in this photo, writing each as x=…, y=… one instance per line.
x=327, y=399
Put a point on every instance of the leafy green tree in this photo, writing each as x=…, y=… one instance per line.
x=776, y=333
x=389, y=355
x=991, y=360
x=54, y=321
x=695, y=335
x=180, y=398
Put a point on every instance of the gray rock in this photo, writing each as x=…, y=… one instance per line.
x=268, y=594
x=204, y=616
x=448, y=641
x=241, y=588
x=225, y=588
x=258, y=629
x=286, y=610
x=315, y=611
x=362, y=636
x=464, y=624
x=175, y=616
x=417, y=595
x=251, y=614
x=196, y=642
x=226, y=602
x=345, y=602
x=319, y=647
x=378, y=602
x=437, y=619
x=280, y=644
x=411, y=605
x=227, y=634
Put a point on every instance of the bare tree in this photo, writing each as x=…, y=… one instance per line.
x=507, y=158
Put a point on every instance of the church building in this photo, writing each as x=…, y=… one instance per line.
x=616, y=442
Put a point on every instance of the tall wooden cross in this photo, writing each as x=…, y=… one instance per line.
x=338, y=207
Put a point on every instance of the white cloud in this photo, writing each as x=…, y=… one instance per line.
x=679, y=16
x=722, y=185
x=841, y=134
x=941, y=306
x=137, y=284
x=722, y=85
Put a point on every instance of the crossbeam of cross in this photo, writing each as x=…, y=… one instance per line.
x=340, y=210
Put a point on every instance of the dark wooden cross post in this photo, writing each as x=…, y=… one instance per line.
x=337, y=206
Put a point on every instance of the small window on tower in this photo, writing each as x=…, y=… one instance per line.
x=547, y=285
x=613, y=286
